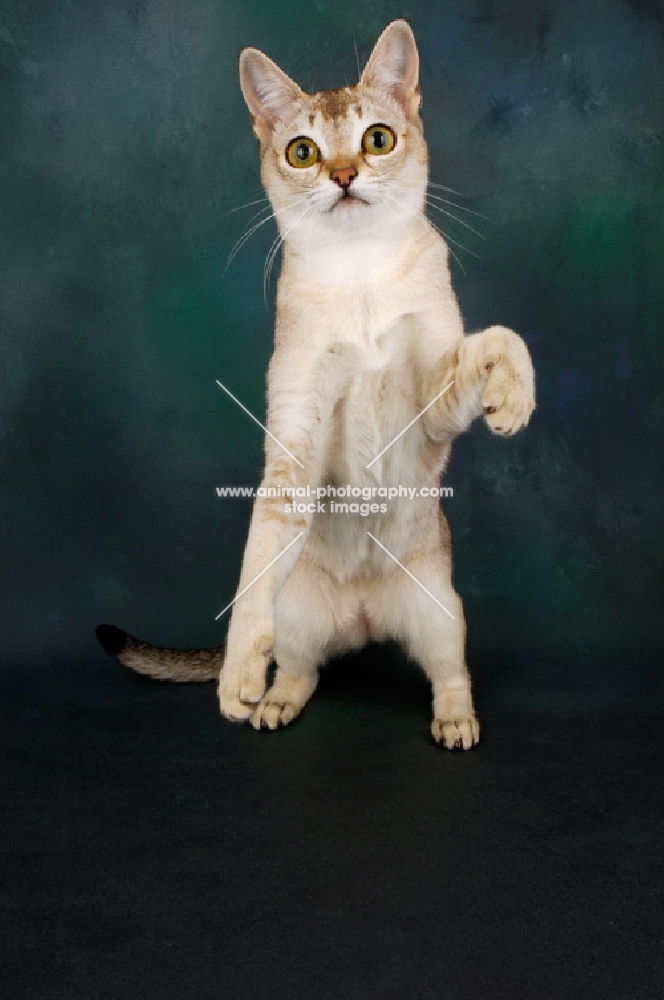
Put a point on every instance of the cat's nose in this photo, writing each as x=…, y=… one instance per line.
x=344, y=176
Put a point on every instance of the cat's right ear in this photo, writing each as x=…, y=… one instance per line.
x=269, y=93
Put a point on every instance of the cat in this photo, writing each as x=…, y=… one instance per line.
x=369, y=340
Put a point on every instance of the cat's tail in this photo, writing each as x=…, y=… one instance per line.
x=181, y=666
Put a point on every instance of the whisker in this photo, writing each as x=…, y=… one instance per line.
x=439, y=208
x=247, y=205
x=446, y=201
x=456, y=219
x=446, y=238
x=258, y=214
x=462, y=208
x=243, y=239
x=396, y=188
x=274, y=250
x=442, y=187
x=429, y=197
x=267, y=267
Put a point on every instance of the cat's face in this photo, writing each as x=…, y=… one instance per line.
x=342, y=161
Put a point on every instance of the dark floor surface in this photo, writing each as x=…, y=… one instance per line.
x=154, y=850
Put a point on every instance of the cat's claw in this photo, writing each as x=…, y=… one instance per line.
x=272, y=714
x=285, y=700
x=508, y=399
x=456, y=734
x=507, y=414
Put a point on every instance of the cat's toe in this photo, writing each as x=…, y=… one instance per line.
x=456, y=734
x=508, y=399
x=511, y=415
x=273, y=714
x=232, y=708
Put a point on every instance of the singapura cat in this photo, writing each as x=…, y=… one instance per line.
x=368, y=333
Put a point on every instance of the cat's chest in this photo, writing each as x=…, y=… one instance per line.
x=355, y=298
x=379, y=400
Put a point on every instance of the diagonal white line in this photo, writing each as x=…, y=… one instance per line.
x=411, y=575
x=409, y=425
x=248, y=412
x=216, y=617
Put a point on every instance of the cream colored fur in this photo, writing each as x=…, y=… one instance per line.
x=368, y=332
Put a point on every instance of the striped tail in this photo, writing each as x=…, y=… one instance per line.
x=181, y=666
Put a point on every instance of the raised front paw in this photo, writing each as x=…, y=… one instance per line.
x=243, y=677
x=508, y=399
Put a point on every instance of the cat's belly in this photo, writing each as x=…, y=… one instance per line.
x=378, y=461
x=351, y=540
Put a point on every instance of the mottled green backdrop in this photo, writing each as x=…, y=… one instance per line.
x=125, y=145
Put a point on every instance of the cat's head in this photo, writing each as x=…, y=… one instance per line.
x=348, y=160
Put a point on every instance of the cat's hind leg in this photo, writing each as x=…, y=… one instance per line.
x=433, y=638
x=306, y=618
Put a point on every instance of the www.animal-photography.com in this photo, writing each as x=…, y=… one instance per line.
x=332, y=451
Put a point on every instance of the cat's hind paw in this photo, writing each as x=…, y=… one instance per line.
x=271, y=714
x=456, y=733
x=284, y=701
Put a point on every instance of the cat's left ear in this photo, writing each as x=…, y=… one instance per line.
x=394, y=67
x=269, y=93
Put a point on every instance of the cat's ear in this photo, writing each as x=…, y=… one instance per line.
x=269, y=93
x=394, y=65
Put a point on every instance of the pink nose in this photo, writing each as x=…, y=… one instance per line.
x=344, y=176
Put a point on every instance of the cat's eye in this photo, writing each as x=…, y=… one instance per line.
x=302, y=152
x=378, y=140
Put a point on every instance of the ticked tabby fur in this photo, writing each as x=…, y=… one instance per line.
x=368, y=332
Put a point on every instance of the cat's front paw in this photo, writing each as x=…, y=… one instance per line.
x=508, y=399
x=243, y=678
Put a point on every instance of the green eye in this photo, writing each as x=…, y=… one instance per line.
x=302, y=152
x=378, y=139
